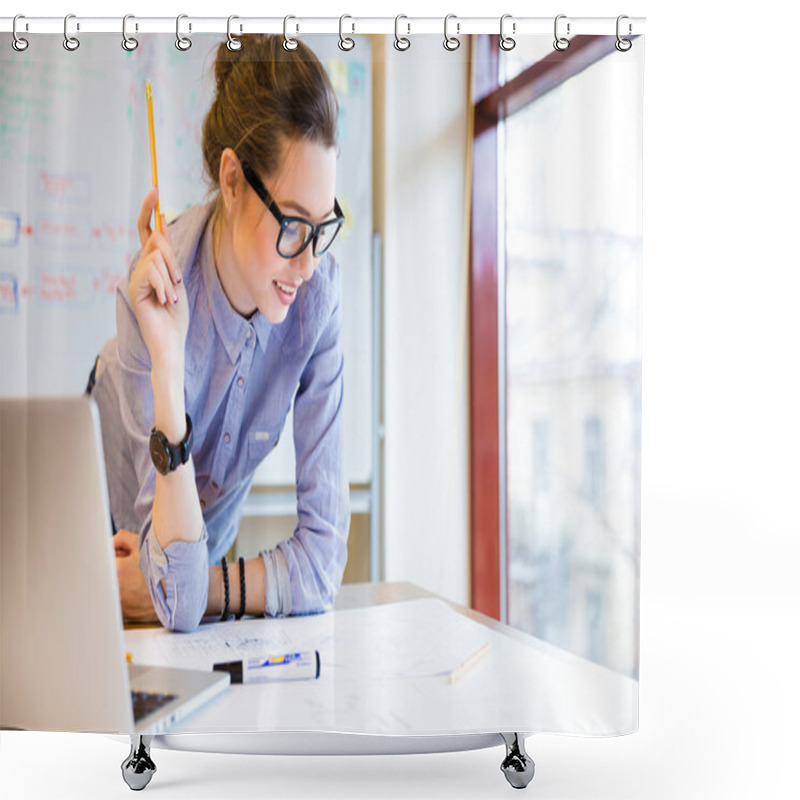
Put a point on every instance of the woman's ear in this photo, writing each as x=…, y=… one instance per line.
x=230, y=172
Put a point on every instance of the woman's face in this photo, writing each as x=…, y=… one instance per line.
x=257, y=277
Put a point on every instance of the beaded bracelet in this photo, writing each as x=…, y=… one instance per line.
x=226, y=611
x=241, y=588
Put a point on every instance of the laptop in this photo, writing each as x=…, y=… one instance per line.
x=62, y=659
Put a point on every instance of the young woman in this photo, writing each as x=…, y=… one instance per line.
x=229, y=316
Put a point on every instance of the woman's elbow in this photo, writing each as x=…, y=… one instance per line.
x=175, y=615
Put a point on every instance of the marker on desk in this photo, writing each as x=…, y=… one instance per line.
x=262, y=669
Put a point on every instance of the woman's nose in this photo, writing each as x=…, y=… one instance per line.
x=306, y=263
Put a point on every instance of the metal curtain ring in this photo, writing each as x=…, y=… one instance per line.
x=451, y=42
x=18, y=43
x=288, y=42
x=233, y=43
x=182, y=42
x=70, y=42
x=128, y=42
x=506, y=42
x=561, y=43
x=345, y=42
x=400, y=42
x=623, y=45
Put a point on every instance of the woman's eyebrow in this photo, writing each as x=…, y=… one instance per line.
x=304, y=211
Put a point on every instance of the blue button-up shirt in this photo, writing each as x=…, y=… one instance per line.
x=241, y=377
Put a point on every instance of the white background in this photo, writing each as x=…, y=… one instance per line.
x=720, y=610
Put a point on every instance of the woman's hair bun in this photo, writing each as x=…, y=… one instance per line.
x=265, y=96
x=223, y=65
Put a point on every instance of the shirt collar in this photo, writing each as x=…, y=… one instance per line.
x=231, y=326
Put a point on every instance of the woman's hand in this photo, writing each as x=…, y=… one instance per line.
x=157, y=293
x=137, y=605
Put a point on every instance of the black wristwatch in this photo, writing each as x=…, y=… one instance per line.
x=168, y=457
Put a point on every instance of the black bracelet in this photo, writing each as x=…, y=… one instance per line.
x=241, y=588
x=226, y=612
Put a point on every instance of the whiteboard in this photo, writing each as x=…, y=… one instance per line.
x=74, y=170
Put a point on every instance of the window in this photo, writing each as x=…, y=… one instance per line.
x=556, y=235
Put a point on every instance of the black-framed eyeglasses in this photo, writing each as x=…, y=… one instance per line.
x=296, y=232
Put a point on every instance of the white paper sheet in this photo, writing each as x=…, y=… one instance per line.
x=418, y=638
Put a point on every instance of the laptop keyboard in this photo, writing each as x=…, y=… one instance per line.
x=145, y=703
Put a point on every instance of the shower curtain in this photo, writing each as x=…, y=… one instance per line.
x=490, y=271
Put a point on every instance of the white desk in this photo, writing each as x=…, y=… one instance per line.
x=363, y=703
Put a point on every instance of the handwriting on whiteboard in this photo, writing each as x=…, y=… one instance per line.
x=64, y=187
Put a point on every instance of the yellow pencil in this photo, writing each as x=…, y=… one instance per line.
x=463, y=668
x=153, y=167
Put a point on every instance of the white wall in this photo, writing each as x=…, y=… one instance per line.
x=426, y=514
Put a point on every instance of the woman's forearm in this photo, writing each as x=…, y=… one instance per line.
x=254, y=588
x=177, y=515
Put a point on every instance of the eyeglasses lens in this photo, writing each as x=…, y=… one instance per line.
x=325, y=237
x=294, y=237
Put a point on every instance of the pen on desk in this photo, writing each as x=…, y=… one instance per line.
x=261, y=669
x=463, y=668
x=153, y=167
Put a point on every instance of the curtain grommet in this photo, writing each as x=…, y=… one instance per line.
x=623, y=45
x=129, y=43
x=70, y=42
x=507, y=43
x=289, y=43
x=561, y=43
x=451, y=43
x=18, y=43
x=401, y=43
x=345, y=42
x=183, y=43
x=234, y=44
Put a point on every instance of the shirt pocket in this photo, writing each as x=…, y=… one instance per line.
x=261, y=442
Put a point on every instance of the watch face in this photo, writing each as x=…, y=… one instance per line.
x=159, y=454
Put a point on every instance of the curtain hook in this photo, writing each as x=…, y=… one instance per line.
x=345, y=42
x=70, y=42
x=128, y=42
x=400, y=42
x=233, y=42
x=182, y=42
x=18, y=43
x=451, y=42
x=288, y=42
x=561, y=43
x=623, y=45
x=506, y=42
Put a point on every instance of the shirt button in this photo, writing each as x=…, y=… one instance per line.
x=240, y=382
x=202, y=503
x=214, y=485
x=226, y=438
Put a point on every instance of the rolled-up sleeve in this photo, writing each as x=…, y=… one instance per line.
x=316, y=554
x=183, y=567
